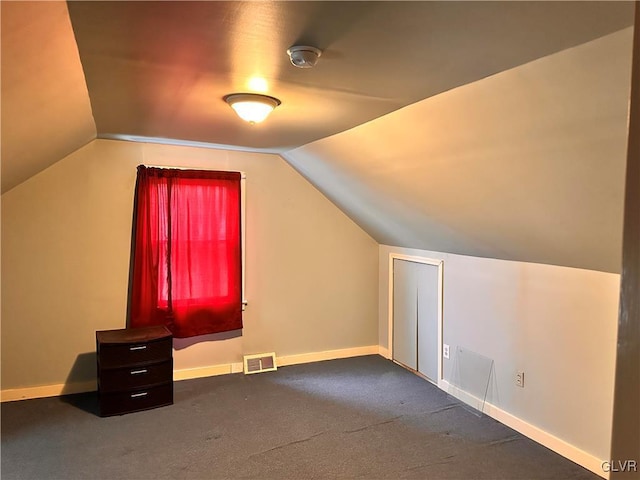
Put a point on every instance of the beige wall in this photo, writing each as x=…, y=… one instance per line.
x=557, y=324
x=311, y=275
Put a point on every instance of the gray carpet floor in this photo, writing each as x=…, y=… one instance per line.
x=360, y=418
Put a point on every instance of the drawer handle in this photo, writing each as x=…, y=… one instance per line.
x=138, y=395
x=138, y=347
x=138, y=372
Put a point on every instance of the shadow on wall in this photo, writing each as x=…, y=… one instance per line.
x=180, y=343
x=82, y=375
x=84, y=370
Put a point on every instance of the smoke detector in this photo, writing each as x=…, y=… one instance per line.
x=303, y=56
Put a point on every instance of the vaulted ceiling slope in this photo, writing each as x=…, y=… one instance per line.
x=525, y=165
x=160, y=69
x=46, y=113
x=466, y=127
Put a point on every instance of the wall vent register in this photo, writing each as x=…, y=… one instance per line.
x=135, y=369
x=261, y=362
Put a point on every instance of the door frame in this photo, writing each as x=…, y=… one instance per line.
x=427, y=261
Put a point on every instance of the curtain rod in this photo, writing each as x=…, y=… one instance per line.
x=242, y=174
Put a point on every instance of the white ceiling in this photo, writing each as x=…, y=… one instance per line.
x=160, y=69
x=75, y=71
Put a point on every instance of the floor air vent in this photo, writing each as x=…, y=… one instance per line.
x=261, y=362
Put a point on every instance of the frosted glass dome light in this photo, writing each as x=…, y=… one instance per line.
x=252, y=107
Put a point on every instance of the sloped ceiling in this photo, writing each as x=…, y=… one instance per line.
x=526, y=165
x=46, y=113
x=160, y=69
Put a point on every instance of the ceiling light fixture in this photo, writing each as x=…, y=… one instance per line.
x=252, y=107
x=304, y=56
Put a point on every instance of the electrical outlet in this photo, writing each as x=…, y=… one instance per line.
x=520, y=378
x=445, y=351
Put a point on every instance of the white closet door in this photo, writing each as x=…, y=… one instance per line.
x=427, y=312
x=405, y=320
x=415, y=316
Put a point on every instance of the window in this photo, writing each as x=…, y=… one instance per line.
x=187, y=252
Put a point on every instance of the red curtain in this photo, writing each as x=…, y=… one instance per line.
x=187, y=270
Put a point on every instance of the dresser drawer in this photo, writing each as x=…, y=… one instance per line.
x=135, y=369
x=130, y=354
x=119, y=379
x=135, y=400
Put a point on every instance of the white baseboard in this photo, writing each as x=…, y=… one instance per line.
x=227, y=368
x=550, y=441
x=327, y=355
x=42, y=391
x=27, y=393
x=211, y=371
x=384, y=352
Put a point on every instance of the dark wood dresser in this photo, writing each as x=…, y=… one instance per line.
x=135, y=369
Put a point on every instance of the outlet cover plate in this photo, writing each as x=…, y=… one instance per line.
x=445, y=350
x=520, y=378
